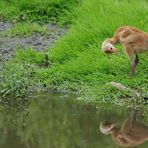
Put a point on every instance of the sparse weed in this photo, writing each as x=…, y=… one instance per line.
x=26, y=29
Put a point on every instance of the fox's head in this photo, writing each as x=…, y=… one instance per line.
x=106, y=127
x=108, y=47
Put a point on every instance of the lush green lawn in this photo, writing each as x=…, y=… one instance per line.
x=40, y=11
x=77, y=62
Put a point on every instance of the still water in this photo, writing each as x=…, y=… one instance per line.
x=59, y=121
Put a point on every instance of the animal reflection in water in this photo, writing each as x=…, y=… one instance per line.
x=131, y=133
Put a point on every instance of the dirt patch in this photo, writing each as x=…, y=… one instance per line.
x=38, y=41
x=5, y=25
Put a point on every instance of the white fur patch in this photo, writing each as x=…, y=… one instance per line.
x=106, y=130
x=106, y=45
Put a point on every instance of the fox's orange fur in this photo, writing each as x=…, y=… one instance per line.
x=131, y=133
x=133, y=40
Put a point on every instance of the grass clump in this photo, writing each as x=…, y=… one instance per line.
x=17, y=78
x=37, y=10
x=26, y=29
x=14, y=80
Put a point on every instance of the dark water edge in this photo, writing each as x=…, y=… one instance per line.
x=61, y=121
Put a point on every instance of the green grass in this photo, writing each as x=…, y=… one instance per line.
x=77, y=62
x=79, y=56
x=26, y=29
x=38, y=10
x=17, y=76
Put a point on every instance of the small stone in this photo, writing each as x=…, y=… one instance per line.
x=5, y=51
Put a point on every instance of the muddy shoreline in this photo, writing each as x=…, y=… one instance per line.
x=38, y=41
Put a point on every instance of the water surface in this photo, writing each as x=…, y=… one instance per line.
x=60, y=121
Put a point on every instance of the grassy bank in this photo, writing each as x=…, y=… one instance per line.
x=77, y=62
x=41, y=11
x=25, y=29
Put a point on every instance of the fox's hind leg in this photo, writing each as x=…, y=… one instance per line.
x=134, y=63
x=131, y=54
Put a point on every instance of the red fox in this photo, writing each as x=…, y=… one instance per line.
x=134, y=41
x=131, y=133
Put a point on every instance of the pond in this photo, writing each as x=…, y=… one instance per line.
x=61, y=121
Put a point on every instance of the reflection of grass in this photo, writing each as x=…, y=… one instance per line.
x=65, y=124
x=60, y=122
x=69, y=124
x=77, y=63
x=26, y=29
x=48, y=121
